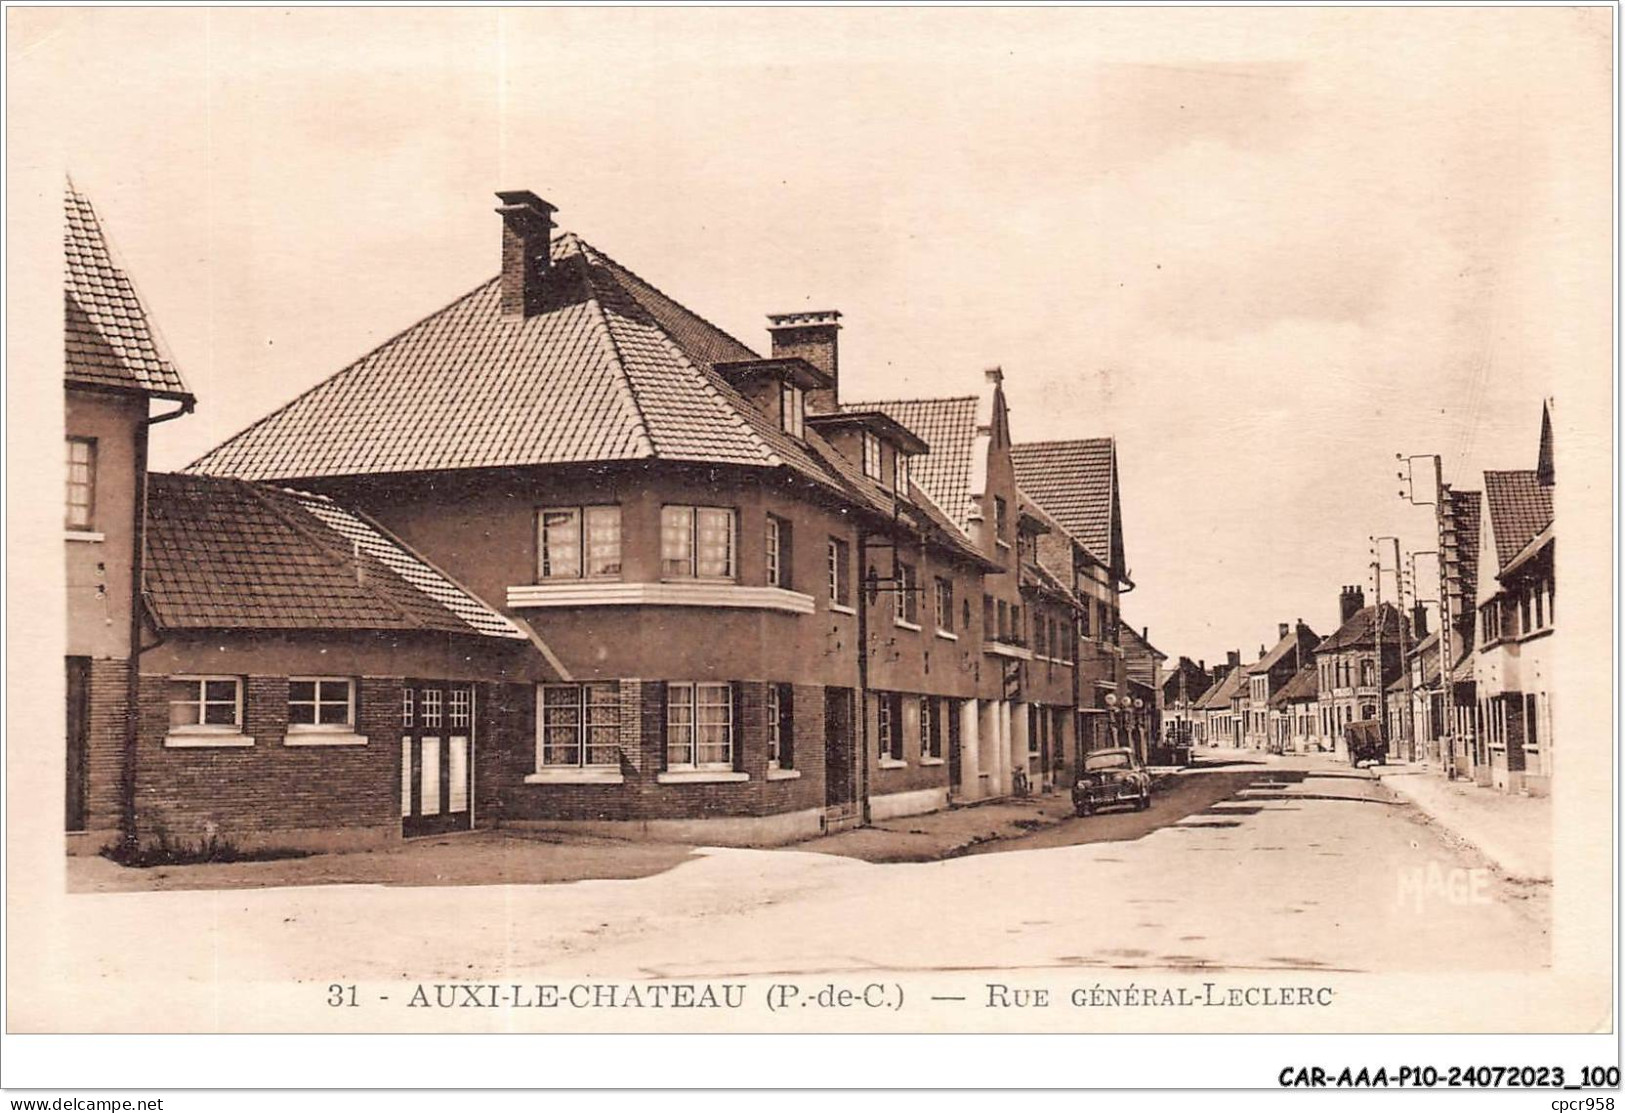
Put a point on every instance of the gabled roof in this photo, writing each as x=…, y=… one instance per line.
x=609, y=369
x=1139, y=644
x=225, y=554
x=1076, y=481
x=1519, y=507
x=1282, y=648
x=1218, y=697
x=1303, y=687
x=109, y=340
x=948, y=427
x=1360, y=630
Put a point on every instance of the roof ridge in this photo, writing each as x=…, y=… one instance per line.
x=612, y=261
x=342, y=558
x=1064, y=440
x=622, y=379
x=911, y=401
x=342, y=371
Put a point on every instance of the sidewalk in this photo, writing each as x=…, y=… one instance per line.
x=1514, y=832
x=945, y=834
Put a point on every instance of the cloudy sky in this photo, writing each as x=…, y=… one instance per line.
x=1264, y=249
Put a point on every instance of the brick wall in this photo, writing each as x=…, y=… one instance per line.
x=641, y=796
x=109, y=697
x=260, y=794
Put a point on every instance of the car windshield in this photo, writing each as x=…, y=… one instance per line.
x=1112, y=759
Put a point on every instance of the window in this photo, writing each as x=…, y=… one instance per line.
x=1001, y=519
x=792, y=409
x=1004, y=621
x=964, y=614
x=406, y=707
x=930, y=728
x=1540, y=606
x=575, y=541
x=205, y=703
x=699, y=726
x=945, y=604
x=1524, y=623
x=81, y=508
x=889, y=726
x=840, y=572
x=320, y=703
x=780, y=726
x=871, y=456
x=1018, y=632
x=908, y=604
x=1040, y=640
x=900, y=473
x=778, y=552
x=1084, y=615
x=431, y=708
x=577, y=725
x=697, y=542
x=1366, y=674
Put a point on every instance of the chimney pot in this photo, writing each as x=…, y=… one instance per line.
x=994, y=374
x=527, y=233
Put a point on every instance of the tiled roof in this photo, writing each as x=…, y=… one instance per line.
x=1218, y=697
x=109, y=340
x=1361, y=629
x=1282, y=648
x=225, y=554
x=1304, y=685
x=1519, y=507
x=948, y=425
x=608, y=369
x=1073, y=481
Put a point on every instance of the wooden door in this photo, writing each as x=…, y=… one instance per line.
x=437, y=757
x=78, y=742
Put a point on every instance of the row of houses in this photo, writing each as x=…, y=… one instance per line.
x=1487, y=716
x=565, y=553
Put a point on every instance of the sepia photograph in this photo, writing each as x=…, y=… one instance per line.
x=814, y=522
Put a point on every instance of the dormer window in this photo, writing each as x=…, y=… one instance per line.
x=900, y=477
x=792, y=409
x=871, y=456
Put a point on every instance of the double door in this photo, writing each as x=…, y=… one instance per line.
x=437, y=757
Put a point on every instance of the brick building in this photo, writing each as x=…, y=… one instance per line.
x=1293, y=650
x=760, y=612
x=115, y=369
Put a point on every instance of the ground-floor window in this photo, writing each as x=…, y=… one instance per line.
x=206, y=703
x=780, y=726
x=576, y=724
x=699, y=726
x=317, y=703
x=889, y=725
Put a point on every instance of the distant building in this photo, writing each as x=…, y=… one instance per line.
x=1356, y=664
x=1182, y=686
x=1294, y=647
x=1295, y=719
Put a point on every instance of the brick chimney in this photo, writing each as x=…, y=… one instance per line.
x=527, y=232
x=1350, y=603
x=1284, y=629
x=1419, y=621
x=811, y=336
x=1233, y=659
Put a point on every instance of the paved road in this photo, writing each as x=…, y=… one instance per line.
x=1295, y=865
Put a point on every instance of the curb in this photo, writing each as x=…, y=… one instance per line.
x=1394, y=781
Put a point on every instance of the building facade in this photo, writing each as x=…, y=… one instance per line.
x=118, y=382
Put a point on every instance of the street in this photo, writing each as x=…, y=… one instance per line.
x=1241, y=864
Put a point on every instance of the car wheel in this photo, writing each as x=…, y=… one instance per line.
x=1144, y=802
x=1083, y=809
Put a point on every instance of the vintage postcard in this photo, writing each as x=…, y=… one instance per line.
x=814, y=521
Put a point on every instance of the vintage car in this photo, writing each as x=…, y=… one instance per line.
x=1111, y=777
x=1365, y=742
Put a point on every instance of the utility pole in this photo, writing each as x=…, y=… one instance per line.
x=1406, y=718
x=1376, y=625
x=1447, y=548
